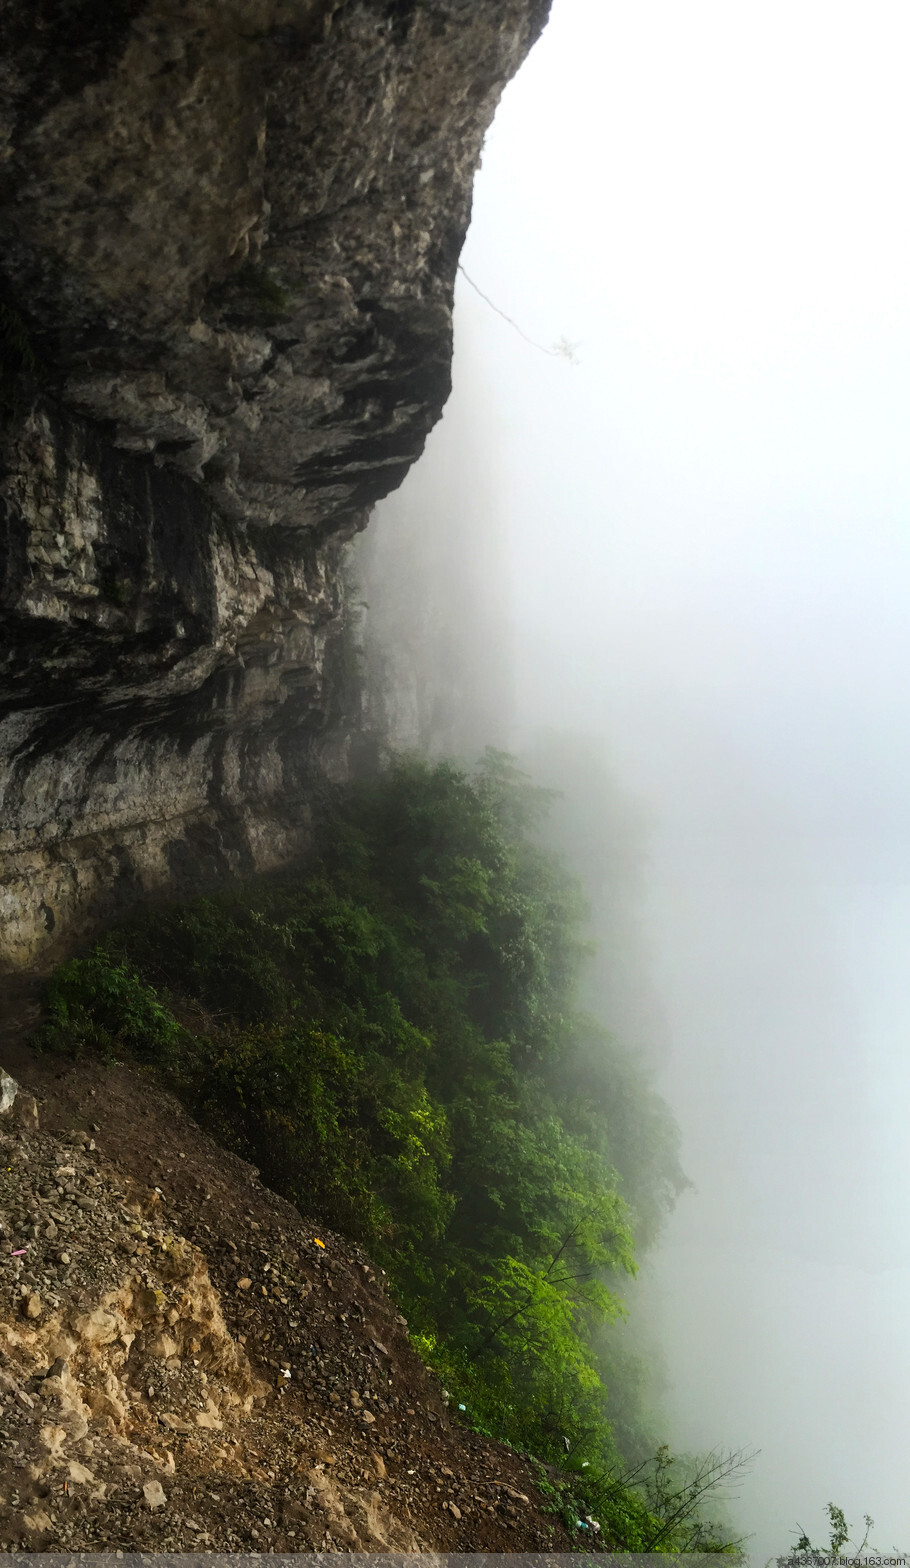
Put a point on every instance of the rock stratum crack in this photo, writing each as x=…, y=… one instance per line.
x=229, y=236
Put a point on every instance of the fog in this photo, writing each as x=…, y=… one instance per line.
x=692, y=548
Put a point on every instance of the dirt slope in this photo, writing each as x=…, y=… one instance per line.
x=146, y=1334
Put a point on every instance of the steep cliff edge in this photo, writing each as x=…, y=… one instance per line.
x=229, y=235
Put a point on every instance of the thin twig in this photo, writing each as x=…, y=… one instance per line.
x=562, y=350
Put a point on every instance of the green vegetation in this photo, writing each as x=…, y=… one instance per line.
x=391, y=1036
x=839, y=1538
x=260, y=291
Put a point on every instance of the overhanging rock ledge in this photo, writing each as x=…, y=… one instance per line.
x=229, y=232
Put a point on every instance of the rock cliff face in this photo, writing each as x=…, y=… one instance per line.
x=229, y=231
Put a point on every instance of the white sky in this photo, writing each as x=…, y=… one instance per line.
x=709, y=526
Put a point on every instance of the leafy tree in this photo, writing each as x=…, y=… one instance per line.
x=839, y=1537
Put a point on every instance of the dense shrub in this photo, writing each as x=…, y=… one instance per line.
x=390, y=1034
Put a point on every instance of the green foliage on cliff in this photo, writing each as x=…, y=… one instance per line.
x=391, y=1036
x=253, y=290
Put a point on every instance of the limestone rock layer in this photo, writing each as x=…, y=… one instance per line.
x=229, y=231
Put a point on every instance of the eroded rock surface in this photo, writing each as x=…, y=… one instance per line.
x=229, y=235
x=188, y=1363
x=121, y=1387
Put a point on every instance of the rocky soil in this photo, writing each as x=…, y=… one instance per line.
x=188, y=1364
